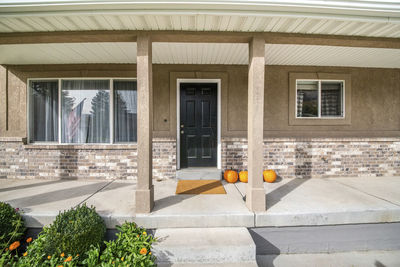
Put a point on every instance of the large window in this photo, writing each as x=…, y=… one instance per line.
x=83, y=111
x=319, y=99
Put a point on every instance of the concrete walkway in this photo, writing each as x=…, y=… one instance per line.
x=290, y=202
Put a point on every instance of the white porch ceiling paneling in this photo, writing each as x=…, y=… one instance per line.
x=70, y=53
x=313, y=55
x=199, y=53
x=201, y=22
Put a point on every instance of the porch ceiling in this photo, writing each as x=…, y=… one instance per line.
x=351, y=17
x=199, y=53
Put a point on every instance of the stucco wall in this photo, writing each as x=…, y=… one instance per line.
x=375, y=101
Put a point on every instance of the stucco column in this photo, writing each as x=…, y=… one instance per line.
x=144, y=187
x=255, y=195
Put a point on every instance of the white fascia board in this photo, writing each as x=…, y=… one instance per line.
x=385, y=10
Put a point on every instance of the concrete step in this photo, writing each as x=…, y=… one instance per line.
x=326, y=239
x=343, y=259
x=199, y=173
x=213, y=246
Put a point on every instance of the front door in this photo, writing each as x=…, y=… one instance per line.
x=198, y=125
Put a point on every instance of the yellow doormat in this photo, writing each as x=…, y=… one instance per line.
x=195, y=187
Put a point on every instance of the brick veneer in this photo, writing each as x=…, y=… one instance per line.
x=321, y=157
x=76, y=161
x=290, y=157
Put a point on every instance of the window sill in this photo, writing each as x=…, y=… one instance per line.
x=319, y=121
x=131, y=146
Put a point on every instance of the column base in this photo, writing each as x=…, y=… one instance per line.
x=144, y=200
x=255, y=199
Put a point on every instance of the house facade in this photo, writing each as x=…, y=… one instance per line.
x=140, y=90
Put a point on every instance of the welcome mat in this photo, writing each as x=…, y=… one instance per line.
x=195, y=187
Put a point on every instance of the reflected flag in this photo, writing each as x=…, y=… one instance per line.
x=74, y=119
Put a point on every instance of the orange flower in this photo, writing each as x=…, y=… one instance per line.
x=62, y=255
x=60, y=266
x=14, y=245
x=6, y=249
x=150, y=253
x=77, y=255
x=68, y=259
x=144, y=233
x=25, y=254
x=48, y=257
x=29, y=240
x=137, y=236
x=143, y=251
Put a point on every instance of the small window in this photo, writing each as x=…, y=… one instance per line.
x=319, y=99
x=125, y=111
x=43, y=110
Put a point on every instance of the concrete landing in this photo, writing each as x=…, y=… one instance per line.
x=290, y=202
x=204, y=246
x=199, y=173
x=330, y=201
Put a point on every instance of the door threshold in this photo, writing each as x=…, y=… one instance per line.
x=199, y=173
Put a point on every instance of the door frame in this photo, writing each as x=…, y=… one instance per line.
x=178, y=117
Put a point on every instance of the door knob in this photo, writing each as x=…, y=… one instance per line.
x=182, y=125
x=182, y=132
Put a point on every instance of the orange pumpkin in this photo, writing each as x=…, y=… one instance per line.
x=232, y=177
x=243, y=176
x=226, y=174
x=269, y=176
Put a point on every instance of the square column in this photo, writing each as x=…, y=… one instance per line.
x=255, y=194
x=144, y=188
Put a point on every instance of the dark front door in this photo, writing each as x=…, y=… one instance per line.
x=198, y=125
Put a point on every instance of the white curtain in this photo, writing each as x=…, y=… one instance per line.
x=331, y=99
x=43, y=108
x=125, y=111
x=85, y=111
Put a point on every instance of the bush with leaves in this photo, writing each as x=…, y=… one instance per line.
x=131, y=248
x=74, y=232
x=11, y=226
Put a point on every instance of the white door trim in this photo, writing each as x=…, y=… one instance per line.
x=178, y=101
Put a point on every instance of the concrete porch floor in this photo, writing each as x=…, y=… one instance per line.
x=290, y=202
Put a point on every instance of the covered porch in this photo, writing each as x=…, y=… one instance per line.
x=145, y=49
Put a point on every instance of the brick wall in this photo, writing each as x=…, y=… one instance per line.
x=329, y=157
x=291, y=158
x=83, y=162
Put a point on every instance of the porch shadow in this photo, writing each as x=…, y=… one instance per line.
x=264, y=248
x=277, y=194
x=33, y=185
x=63, y=194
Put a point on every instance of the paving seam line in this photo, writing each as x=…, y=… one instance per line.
x=254, y=214
x=95, y=192
x=359, y=190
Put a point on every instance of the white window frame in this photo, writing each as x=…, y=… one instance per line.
x=319, y=100
x=111, y=90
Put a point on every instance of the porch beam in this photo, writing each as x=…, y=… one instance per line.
x=144, y=189
x=197, y=37
x=255, y=194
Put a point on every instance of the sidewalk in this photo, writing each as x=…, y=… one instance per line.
x=290, y=202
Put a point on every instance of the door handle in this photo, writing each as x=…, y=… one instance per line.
x=182, y=132
x=182, y=126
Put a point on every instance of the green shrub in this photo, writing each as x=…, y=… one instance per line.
x=74, y=232
x=131, y=248
x=11, y=225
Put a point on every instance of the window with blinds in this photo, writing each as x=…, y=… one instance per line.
x=319, y=99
